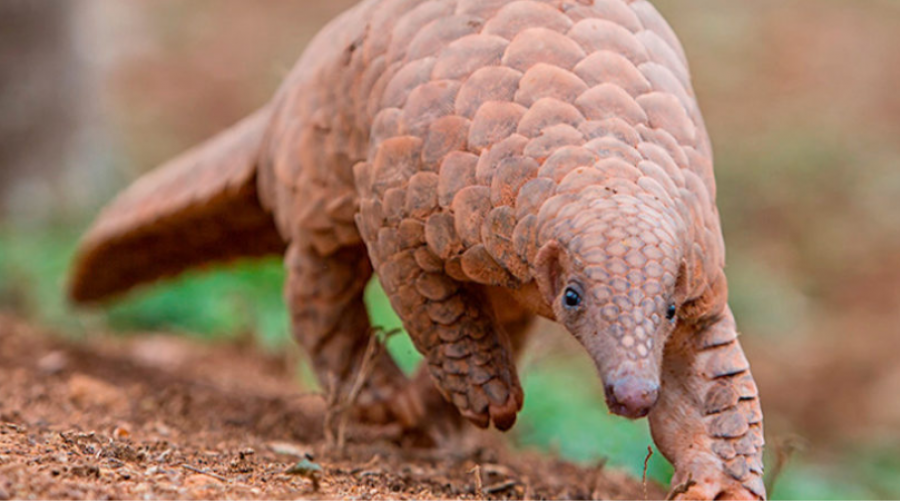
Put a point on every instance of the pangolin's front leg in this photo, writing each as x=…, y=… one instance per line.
x=442, y=419
x=467, y=351
x=325, y=297
x=708, y=420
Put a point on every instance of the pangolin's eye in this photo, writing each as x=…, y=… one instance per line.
x=671, y=311
x=572, y=297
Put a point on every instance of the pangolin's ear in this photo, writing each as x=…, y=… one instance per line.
x=548, y=268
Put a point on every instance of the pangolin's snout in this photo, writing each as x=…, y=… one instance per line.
x=631, y=396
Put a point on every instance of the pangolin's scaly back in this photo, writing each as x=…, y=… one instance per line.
x=469, y=118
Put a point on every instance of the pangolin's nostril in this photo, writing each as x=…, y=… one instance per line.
x=631, y=397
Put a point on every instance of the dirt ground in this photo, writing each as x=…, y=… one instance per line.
x=160, y=417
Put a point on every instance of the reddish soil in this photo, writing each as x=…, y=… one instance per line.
x=160, y=417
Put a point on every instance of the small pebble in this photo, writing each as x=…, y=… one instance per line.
x=53, y=362
x=288, y=449
x=86, y=391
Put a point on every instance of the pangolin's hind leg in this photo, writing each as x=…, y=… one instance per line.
x=708, y=420
x=325, y=297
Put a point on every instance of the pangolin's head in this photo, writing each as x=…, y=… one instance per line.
x=609, y=268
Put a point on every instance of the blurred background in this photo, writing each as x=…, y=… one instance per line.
x=802, y=99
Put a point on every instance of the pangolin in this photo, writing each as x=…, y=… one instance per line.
x=490, y=161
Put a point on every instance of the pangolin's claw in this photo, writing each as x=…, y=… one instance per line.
x=709, y=481
x=709, y=491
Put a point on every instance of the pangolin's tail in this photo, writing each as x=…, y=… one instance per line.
x=199, y=208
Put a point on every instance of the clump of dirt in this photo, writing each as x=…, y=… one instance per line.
x=160, y=417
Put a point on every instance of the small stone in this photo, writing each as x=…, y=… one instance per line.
x=199, y=480
x=162, y=429
x=53, y=362
x=88, y=391
x=288, y=449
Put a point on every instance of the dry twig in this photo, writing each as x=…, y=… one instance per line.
x=205, y=472
x=644, y=476
x=338, y=406
x=682, y=488
x=785, y=449
x=479, y=484
x=502, y=486
x=332, y=401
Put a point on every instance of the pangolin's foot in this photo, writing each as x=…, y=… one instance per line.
x=416, y=413
x=442, y=425
x=400, y=405
x=707, y=479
